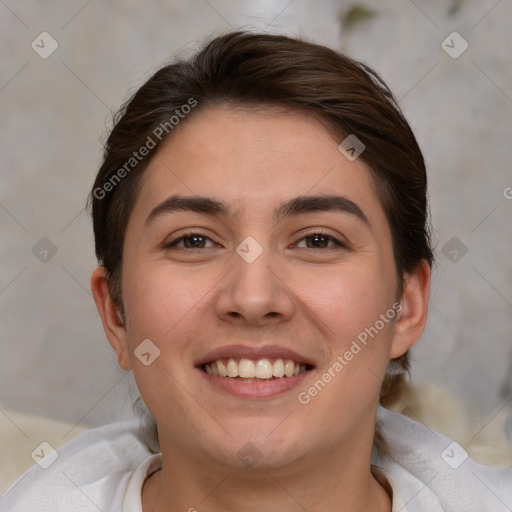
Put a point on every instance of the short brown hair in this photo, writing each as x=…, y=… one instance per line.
x=247, y=69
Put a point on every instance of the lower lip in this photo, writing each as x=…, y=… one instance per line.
x=256, y=388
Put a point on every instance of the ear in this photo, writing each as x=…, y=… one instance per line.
x=110, y=317
x=412, y=317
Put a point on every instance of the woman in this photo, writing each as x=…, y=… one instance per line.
x=261, y=226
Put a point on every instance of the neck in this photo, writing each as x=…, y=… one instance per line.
x=340, y=481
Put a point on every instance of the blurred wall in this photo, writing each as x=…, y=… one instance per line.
x=56, y=104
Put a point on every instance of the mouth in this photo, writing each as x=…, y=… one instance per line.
x=247, y=372
x=254, y=370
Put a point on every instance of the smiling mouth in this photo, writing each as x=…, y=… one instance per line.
x=253, y=370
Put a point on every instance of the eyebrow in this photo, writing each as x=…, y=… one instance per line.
x=300, y=205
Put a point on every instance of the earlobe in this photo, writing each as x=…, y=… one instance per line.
x=111, y=317
x=413, y=314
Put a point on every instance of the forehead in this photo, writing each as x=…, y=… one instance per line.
x=253, y=159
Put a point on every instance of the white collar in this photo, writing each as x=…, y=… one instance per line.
x=386, y=480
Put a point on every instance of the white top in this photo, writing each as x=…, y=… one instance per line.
x=105, y=468
x=133, y=497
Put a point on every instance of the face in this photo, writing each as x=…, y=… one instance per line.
x=256, y=248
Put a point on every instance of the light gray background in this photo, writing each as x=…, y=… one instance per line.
x=55, y=360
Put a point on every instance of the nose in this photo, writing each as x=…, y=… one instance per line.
x=255, y=293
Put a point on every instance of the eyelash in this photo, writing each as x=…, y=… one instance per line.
x=310, y=234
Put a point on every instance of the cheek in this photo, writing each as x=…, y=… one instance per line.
x=159, y=301
x=355, y=308
x=161, y=306
x=170, y=307
x=346, y=301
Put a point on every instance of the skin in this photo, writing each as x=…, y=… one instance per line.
x=314, y=300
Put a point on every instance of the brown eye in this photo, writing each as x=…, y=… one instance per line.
x=190, y=241
x=319, y=240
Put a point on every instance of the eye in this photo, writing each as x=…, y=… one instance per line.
x=320, y=240
x=190, y=241
x=313, y=240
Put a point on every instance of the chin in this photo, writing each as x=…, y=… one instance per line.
x=265, y=445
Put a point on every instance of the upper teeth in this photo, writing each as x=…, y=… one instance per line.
x=260, y=369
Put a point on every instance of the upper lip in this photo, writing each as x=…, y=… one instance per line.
x=254, y=353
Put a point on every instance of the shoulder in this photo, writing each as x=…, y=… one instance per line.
x=435, y=473
x=89, y=473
